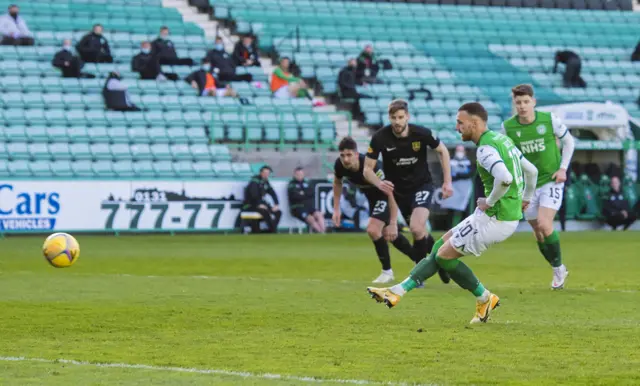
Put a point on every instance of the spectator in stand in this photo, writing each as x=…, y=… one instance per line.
x=635, y=57
x=461, y=170
x=115, y=94
x=68, y=63
x=368, y=67
x=616, y=208
x=573, y=66
x=14, y=30
x=204, y=81
x=285, y=85
x=148, y=65
x=347, y=80
x=256, y=196
x=245, y=53
x=224, y=65
x=94, y=48
x=301, y=201
x=164, y=49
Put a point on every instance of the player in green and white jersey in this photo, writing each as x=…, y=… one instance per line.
x=534, y=133
x=509, y=183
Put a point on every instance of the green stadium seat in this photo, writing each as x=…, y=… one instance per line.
x=19, y=169
x=100, y=151
x=80, y=151
x=223, y=169
x=204, y=169
x=98, y=133
x=161, y=151
x=60, y=151
x=163, y=169
x=40, y=168
x=184, y=169
x=141, y=152
x=103, y=169
x=123, y=168
x=143, y=169
x=61, y=169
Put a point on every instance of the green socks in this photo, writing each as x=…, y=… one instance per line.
x=426, y=268
x=462, y=275
x=459, y=271
x=550, y=249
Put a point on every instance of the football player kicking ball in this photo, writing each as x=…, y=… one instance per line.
x=501, y=167
x=404, y=160
x=534, y=133
x=382, y=208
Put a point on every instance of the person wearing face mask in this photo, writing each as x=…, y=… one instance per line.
x=148, y=65
x=115, y=94
x=223, y=62
x=164, y=49
x=14, y=30
x=68, y=63
x=203, y=81
x=94, y=48
x=245, y=53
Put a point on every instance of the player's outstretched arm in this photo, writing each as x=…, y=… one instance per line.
x=568, y=146
x=370, y=175
x=530, y=177
x=490, y=160
x=445, y=161
x=337, y=193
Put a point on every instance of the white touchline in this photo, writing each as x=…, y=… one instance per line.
x=241, y=374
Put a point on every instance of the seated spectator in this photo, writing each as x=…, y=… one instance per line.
x=368, y=66
x=301, y=201
x=68, y=63
x=635, y=57
x=148, y=65
x=245, y=53
x=14, y=30
x=115, y=94
x=616, y=208
x=255, y=199
x=164, y=49
x=285, y=85
x=224, y=65
x=573, y=66
x=347, y=80
x=204, y=81
x=94, y=48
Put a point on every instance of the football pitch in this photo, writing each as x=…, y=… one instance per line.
x=292, y=310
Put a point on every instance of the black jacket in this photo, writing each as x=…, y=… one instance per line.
x=635, y=57
x=366, y=61
x=255, y=192
x=63, y=56
x=114, y=99
x=148, y=65
x=93, y=44
x=300, y=193
x=242, y=54
x=222, y=61
x=200, y=77
x=615, y=203
x=163, y=49
x=564, y=57
x=347, y=81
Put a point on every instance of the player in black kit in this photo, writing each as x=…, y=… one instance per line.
x=382, y=208
x=407, y=177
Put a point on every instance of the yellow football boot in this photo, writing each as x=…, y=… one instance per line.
x=384, y=295
x=483, y=309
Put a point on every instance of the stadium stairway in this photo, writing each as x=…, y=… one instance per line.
x=214, y=27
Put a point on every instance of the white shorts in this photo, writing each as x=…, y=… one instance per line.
x=548, y=195
x=282, y=92
x=477, y=232
x=220, y=92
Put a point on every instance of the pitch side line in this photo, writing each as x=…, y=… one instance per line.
x=240, y=374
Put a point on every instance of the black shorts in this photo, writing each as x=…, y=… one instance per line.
x=378, y=205
x=421, y=197
x=302, y=212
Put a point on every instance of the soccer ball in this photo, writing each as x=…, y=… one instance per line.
x=61, y=250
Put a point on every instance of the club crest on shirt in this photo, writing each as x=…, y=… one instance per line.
x=370, y=150
x=518, y=133
x=541, y=129
x=415, y=145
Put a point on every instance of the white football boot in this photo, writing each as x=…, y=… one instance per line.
x=385, y=277
x=559, y=276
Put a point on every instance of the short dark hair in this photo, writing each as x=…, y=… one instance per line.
x=347, y=143
x=298, y=168
x=397, y=105
x=164, y=27
x=522, y=89
x=266, y=167
x=475, y=108
x=97, y=25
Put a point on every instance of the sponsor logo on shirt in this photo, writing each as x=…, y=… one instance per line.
x=533, y=146
x=415, y=145
x=406, y=161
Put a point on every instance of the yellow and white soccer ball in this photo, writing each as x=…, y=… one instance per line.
x=61, y=250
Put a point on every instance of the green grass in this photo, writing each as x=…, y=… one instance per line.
x=296, y=305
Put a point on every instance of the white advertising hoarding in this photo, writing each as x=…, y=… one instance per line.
x=126, y=205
